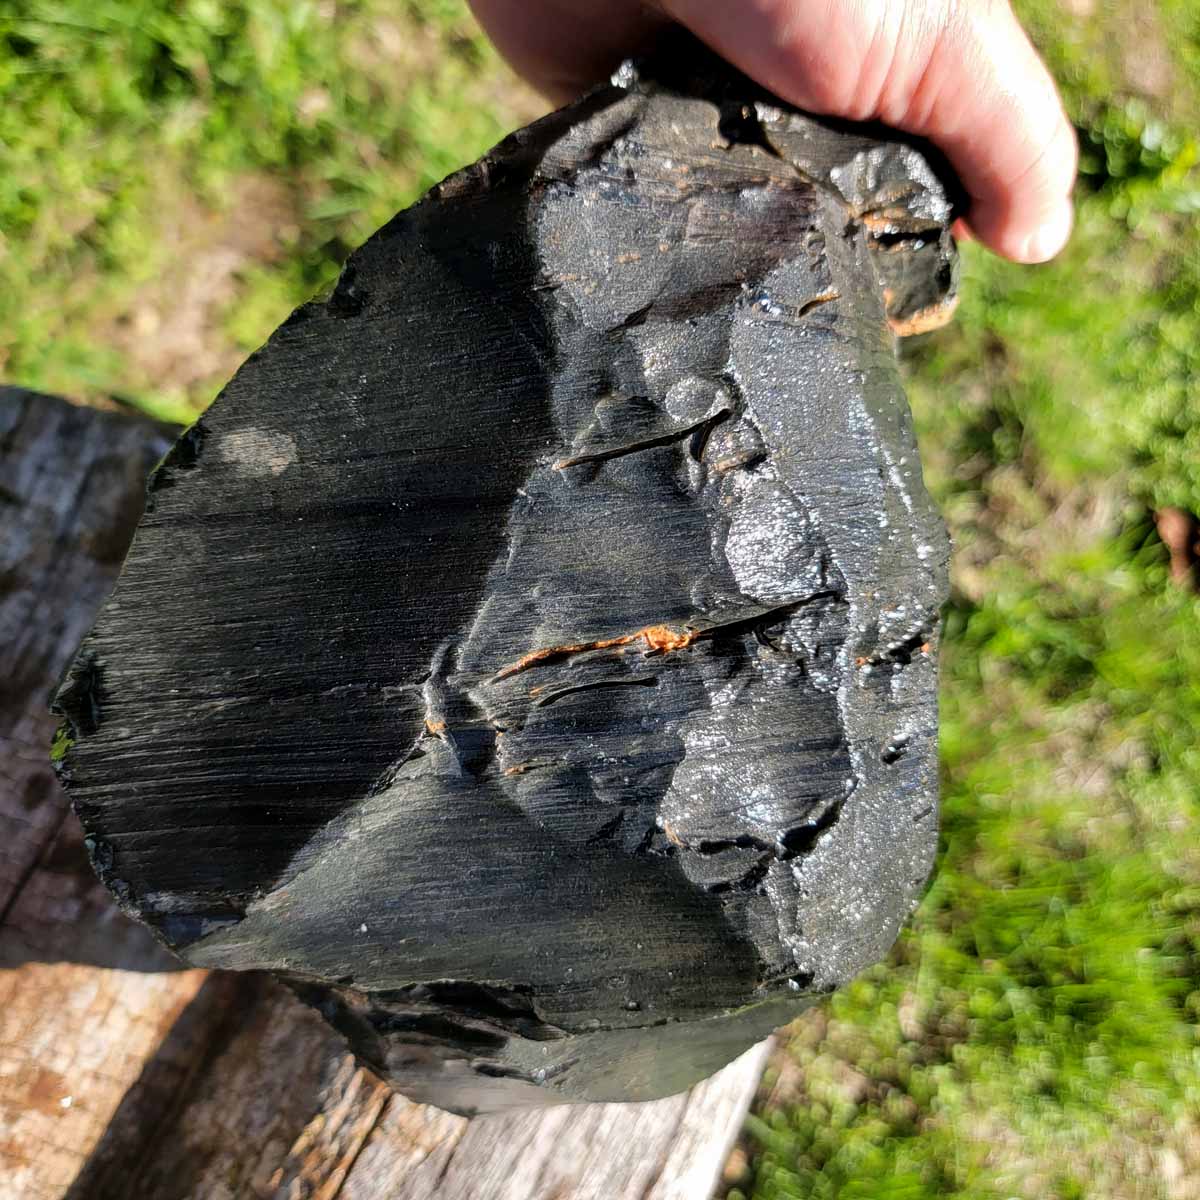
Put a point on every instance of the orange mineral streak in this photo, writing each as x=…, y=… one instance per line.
x=435, y=727
x=885, y=220
x=659, y=639
x=925, y=319
x=663, y=638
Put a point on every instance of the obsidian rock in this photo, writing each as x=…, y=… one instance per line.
x=531, y=654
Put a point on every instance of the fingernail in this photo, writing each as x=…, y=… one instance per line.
x=1049, y=237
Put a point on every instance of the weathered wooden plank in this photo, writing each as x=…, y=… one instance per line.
x=73, y=1037
x=535, y=643
x=281, y=1110
x=87, y=999
x=670, y=1149
x=274, y=1103
x=71, y=492
x=123, y=1075
x=163, y=1088
x=119, y=1081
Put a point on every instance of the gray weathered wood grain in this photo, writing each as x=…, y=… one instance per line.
x=670, y=1149
x=85, y=994
x=122, y=1074
x=71, y=491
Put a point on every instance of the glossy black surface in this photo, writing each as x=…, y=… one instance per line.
x=531, y=654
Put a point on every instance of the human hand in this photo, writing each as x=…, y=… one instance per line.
x=961, y=73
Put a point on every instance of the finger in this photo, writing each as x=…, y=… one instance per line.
x=959, y=72
x=1011, y=143
x=563, y=47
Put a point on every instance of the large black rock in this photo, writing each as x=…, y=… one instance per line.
x=531, y=654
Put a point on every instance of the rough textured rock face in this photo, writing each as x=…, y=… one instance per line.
x=531, y=654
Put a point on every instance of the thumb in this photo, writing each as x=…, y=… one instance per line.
x=961, y=73
x=988, y=101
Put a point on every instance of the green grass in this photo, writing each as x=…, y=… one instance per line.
x=118, y=113
x=1034, y=1033
x=178, y=175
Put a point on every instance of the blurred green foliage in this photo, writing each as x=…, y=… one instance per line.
x=1034, y=1032
x=113, y=108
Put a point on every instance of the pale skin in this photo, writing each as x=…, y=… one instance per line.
x=961, y=73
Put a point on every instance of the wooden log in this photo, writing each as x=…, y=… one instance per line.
x=73, y=1036
x=672, y=1149
x=278, y=1108
x=123, y=1075
x=128, y=1079
x=71, y=492
x=100, y=1028
x=531, y=655
x=272, y=1105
